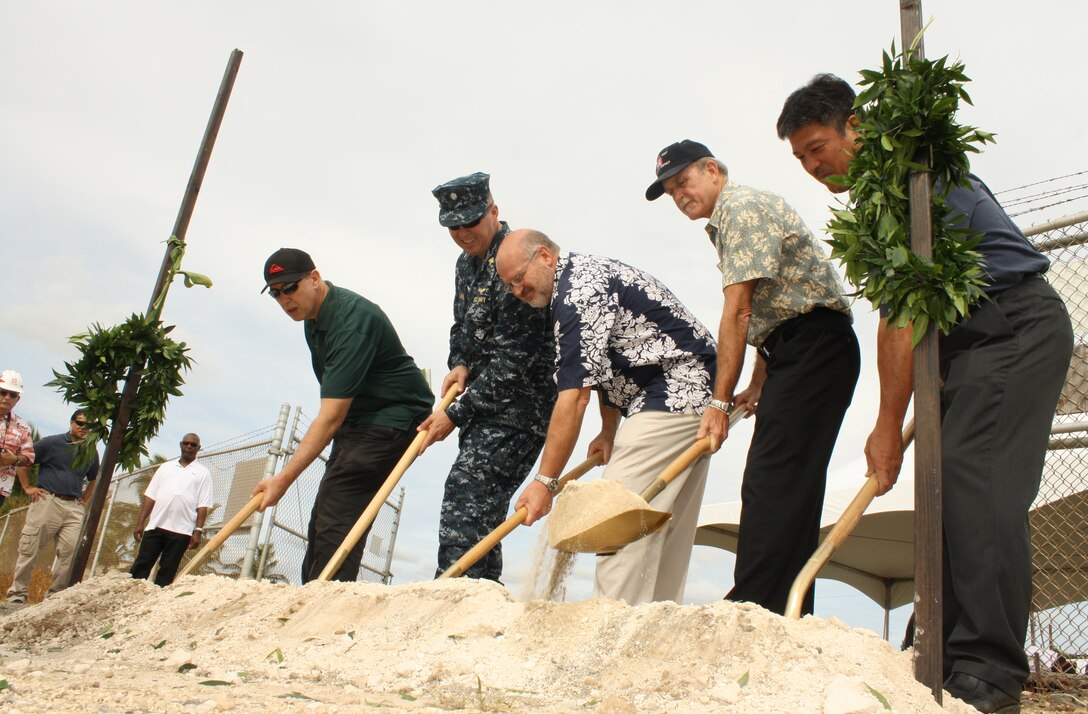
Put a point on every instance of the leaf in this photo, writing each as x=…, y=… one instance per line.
x=106, y=634
x=186, y=667
x=214, y=683
x=276, y=654
x=185, y=594
x=407, y=697
x=879, y=697
x=158, y=646
x=742, y=682
x=4, y=685
x=299, y=695
x=192, y=279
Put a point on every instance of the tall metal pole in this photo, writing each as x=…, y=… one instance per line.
x=928, y=628
x=275, y=450
x=158, y=294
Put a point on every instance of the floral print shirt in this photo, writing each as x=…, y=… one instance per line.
x=620, y=330
x=759, y=236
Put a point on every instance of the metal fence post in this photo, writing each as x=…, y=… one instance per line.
x=275, y=450
x=288, y=450
x=105, y=525
x=387, y=575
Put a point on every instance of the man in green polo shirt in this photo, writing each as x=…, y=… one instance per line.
x=372, y=398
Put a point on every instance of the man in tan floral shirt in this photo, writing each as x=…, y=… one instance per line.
x=782, y=297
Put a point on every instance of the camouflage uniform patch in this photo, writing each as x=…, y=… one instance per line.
x=503, y=414
x=492, y=463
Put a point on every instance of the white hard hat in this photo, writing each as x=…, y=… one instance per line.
x=11, y=381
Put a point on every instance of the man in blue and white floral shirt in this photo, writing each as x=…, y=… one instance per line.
x=623, y=334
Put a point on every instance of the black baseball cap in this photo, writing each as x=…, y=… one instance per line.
x=673, y=159
x=287, y=265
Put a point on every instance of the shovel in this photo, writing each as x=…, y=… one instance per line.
x=378, y=501
x=225, y=532
x=842, y=529
x=607, y=531
x=482, y=548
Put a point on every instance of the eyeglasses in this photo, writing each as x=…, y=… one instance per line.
x=473, y=224
x=288, y=289
x=9, y=395
x=82, y=424
x=190, y=443
x=516, y=282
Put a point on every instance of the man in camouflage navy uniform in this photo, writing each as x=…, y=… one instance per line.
x=502, y=357
x=783, y=297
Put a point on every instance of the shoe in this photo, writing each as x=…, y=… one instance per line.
x=981, y=695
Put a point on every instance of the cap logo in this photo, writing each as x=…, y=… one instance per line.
x=661, y=162
x=275, y=268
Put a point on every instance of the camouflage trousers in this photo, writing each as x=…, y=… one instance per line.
x=492, y=463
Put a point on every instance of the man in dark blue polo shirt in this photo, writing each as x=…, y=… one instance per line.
x=56, y=508
x=373, y=396
x=1002, y=371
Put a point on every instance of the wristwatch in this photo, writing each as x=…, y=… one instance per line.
x=552, y=484
x=721, y=406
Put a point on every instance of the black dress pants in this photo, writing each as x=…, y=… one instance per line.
x=167, y=547
x=812, y=367
x=1003, y=370
x=362, y=458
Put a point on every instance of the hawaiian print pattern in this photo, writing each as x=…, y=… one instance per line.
x=759, y=236
x=16, y=438
x=619, y=329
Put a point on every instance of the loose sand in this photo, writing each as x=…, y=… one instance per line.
x=114, y=644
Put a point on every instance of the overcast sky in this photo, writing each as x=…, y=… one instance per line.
x=346, y=114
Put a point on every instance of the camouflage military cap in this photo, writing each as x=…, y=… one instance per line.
x=462, y=200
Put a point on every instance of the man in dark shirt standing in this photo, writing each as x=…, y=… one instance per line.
x=56, y=508
x=372, y=398
x=501, y=355
x=1002, y=370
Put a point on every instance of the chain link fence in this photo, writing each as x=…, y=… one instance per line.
x=268, y=546
x=1058, y=632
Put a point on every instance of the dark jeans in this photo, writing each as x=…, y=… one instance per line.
x=812, y=367
x=362, y=458
x=165, y=546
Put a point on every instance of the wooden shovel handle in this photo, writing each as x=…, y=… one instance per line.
x=225, y=532
x=376, y=503
x=842, y=528
x=482, y=548
x=684, y=460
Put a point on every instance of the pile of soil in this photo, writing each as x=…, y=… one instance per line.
x=207, y=643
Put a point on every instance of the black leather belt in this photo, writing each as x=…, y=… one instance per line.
x=63, y=497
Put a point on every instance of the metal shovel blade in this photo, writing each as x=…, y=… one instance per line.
x=602, y=516
x=616, y=531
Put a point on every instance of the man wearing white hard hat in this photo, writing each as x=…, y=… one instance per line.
x=16, y=444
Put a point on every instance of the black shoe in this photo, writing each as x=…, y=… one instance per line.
x=981, y=695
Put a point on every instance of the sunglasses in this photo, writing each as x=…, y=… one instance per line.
x=473, y=224
x=82, y=424
x=190, y=443
x=288, y=289
x=9, y=395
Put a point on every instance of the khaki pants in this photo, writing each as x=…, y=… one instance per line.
x=654, y=568
x=48, y=519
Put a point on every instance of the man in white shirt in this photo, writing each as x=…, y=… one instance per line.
x=177, y=501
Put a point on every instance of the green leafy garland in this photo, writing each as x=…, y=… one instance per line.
x=107, y=354
x=908, y=111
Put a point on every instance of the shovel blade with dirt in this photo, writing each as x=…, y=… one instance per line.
x=602, y=516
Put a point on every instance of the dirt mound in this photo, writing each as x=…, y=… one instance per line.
x=208, y=643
